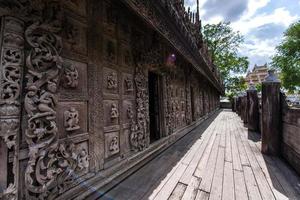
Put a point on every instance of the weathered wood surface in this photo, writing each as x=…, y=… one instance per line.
x=291, y=137
x=217, y=160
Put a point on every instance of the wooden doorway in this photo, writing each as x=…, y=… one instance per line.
x=154, y=106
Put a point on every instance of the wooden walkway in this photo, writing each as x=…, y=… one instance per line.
x=218, y=160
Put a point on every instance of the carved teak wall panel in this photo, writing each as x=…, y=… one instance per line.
x=71, y=109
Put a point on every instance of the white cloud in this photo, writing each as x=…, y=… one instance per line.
x=280, y=16
x=253, y=6
x=259, y=46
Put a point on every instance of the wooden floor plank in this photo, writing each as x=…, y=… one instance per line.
x=264, y=187
x=252, y=187
x=192, y=188
x=217, y=184
x=235, y=154
x=228, y=184
x=200, y=170
x=225, y=162
x=186, y=177
x=228, y=152
x=210, y=168
x=201, y=195
x=178, y=192
x=240, y=190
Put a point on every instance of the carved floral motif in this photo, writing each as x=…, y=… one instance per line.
x=52, y=164
x=139, y=137
x=71, y=119
x=12, y=61
x=130, y=113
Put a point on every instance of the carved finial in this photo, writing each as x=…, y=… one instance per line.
x=198, y=12
x=272, y=77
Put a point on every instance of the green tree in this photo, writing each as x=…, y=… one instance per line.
x=236, y=84
x=258, y=87
x=287, y=58
x=223, y=44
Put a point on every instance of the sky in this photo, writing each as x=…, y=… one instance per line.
x=261, y=22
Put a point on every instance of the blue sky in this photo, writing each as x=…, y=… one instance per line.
x=262, y=22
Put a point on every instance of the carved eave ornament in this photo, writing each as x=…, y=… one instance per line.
x=153, y=13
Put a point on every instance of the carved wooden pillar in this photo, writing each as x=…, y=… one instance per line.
x=11, y=73
x=252, y=108
x=271, y=115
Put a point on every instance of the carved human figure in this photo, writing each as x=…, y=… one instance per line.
x=71, y=119
x=114, y=145
x=31, y=99
x=71, y=77
x=83, y=159
x=46, y=105
x=114, y=113
x=112, y=80
x=128, y=84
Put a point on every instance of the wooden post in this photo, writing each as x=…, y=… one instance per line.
x=252, y=108
x=271, y=115
x=239, y=104
x=245, y=110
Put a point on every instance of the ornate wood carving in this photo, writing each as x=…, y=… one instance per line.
x=174, y=24
x=11, y=72
x=52, y=163
x=71, y=120
x=70, y=77
x=139, y=137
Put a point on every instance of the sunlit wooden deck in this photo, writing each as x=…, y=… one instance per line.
x=217, y=160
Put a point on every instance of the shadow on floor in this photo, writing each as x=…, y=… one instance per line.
x=141, y=184
x=284, y=179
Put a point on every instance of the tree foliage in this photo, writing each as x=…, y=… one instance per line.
x=223, y=44
x=287, y=58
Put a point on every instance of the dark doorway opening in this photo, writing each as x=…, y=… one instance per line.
x=154, y=106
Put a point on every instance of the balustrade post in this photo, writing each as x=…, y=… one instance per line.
x=245, y=110
x=271, y=115
x=252, y=108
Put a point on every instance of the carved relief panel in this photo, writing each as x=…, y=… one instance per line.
x=74, y=80
x=112, y=144
x=128, y=112
x=126, y=56
x=110, y=18
x=111, y=114
x=74, y=38
x=124, y=29
x=72, y=118
x=110, y=50
x=111, y=83
x=128, y=84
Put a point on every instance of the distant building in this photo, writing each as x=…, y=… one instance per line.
x=257, y=75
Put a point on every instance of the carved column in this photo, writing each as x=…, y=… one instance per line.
x=271, y=115
x=11, y=73
x=252, y=108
